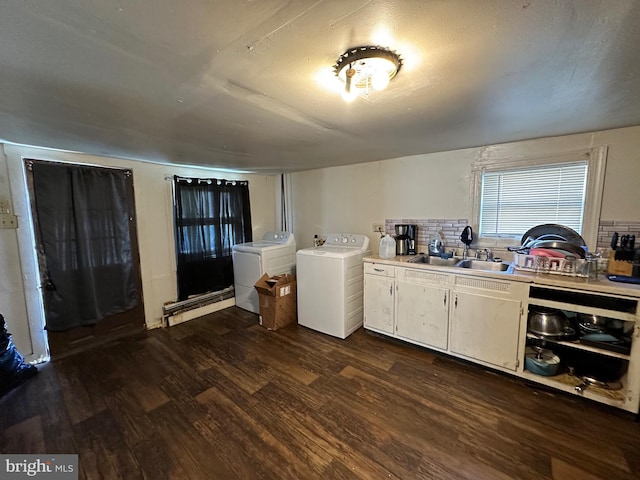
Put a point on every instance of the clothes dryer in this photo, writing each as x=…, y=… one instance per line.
x=275, y=254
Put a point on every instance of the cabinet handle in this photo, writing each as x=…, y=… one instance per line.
x=445, y=299
x=455, y=302
x=391, y=289
x=378, y=269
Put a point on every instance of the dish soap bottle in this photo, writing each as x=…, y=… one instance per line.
x=387, y=247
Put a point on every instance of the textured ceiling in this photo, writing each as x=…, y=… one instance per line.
x=234, y=84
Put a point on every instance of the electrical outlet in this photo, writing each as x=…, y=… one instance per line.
x=378, y=227
x=8, y=221
x=4, y=205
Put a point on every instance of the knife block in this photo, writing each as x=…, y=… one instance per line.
x=619, y=267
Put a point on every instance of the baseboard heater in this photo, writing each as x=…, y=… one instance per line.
x=177, y=312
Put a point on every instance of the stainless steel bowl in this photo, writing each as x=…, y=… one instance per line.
x=549, y=322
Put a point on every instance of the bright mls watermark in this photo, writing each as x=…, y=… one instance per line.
x=50, y=467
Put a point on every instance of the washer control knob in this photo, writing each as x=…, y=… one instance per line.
x=345, y=239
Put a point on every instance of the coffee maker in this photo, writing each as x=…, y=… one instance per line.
x=406, y=239
x=412, y=235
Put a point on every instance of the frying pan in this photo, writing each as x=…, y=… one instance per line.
x=588, y=381
x=529, y=241
x=566, y=233
x=560, y=245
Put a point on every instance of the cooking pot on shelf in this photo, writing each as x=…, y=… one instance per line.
x=541, y=362
x=549, y=323
x=596, y=370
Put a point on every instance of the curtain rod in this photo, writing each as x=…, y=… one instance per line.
x=218, y=181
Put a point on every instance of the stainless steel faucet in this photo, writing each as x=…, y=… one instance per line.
x=487, y=253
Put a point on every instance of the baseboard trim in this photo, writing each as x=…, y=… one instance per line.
x=200, y=311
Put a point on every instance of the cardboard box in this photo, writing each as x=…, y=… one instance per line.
x=277, y=296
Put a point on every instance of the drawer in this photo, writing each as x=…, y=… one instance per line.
x=378, y=269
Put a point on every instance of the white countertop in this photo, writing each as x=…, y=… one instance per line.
x=601, y=285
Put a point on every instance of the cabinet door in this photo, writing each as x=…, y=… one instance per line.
x=485, y=328
x=423, y=314
x=378, y=303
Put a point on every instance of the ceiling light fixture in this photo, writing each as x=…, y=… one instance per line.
x=363, y=68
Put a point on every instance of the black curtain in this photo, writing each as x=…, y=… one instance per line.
x=83, y=216
x=211, y=215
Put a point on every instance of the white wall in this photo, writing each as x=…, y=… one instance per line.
x=12, y=299
x=19, y=283
x=437, y=185
x=340, y=199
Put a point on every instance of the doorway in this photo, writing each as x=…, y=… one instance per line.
x=85, y=228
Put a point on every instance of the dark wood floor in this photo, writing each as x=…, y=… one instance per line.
x=222, y=398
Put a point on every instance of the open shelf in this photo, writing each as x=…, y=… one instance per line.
x=568, y=383
x=579, y=346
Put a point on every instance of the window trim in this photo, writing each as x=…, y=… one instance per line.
x=596, y=158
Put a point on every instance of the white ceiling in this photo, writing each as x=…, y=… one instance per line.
x=233, y=83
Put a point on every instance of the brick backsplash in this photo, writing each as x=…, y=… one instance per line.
x=449, y=229
x=608, y=227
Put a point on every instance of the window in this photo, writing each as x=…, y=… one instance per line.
x=514, y=195
x=211, y=216
x=514, y=200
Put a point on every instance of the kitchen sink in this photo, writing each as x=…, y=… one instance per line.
x=433, y=260
x=483, y=265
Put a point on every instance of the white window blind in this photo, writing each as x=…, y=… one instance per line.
x=512, y=201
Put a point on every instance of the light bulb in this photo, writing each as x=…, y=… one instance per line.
x=379, y=79
x=349, y=95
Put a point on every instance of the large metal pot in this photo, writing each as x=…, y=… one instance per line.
x=549, y=323
x=596, y=370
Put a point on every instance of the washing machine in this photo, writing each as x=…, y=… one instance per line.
x=330, y=281
x=275, y=254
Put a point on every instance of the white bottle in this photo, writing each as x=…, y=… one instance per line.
x=387, y=247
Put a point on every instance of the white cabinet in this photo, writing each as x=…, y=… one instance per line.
x=422, y=313
x=486, y=319
x=486, y=328
x=477, y=318
x=483, y=319
x=379, y=297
